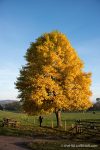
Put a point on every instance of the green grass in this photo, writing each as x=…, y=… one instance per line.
x=22, y=118
x=26, y=120
x=29, y=126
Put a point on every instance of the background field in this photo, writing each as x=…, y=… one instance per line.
x=70, y=118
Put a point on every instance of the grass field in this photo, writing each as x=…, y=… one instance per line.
x=24, y=119
x=30, y=124
x=57, y=138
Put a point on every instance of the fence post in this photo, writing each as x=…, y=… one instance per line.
x=72, y=125
x=65, y=125
x=77, y=129
x=52, y=125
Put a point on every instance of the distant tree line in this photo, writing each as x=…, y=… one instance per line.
x=1, y=107
x=96, y=105
x=14, y=106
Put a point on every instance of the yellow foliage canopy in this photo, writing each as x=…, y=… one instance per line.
x=53, y=76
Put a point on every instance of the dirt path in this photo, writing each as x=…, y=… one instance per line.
x=13, y=143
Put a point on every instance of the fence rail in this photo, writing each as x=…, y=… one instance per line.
x=86, y=127
x=10, y=123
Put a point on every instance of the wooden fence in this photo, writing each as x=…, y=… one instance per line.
x=10, y=123
x=86, y=127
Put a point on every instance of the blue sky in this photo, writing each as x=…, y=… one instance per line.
x=22, y=21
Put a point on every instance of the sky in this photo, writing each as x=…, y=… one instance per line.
x=23, y=21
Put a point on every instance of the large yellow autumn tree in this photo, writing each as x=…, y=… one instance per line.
x=53, y=78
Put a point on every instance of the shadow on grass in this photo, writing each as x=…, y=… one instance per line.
x=23, y=145
x=52, y=134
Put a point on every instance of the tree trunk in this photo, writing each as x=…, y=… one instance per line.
x=58, y=117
